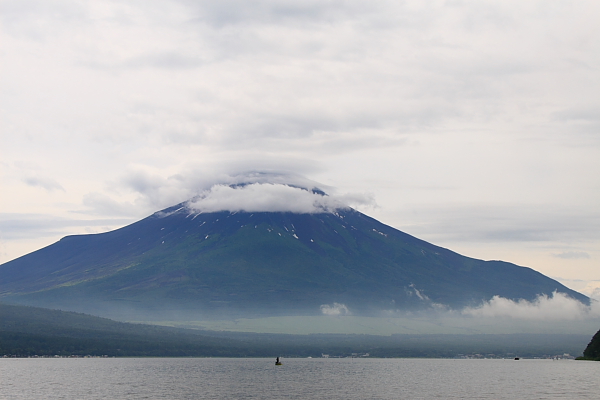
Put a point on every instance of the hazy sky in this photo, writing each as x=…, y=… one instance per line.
x=474, y=125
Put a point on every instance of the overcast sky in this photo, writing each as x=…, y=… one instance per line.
x=474, y=125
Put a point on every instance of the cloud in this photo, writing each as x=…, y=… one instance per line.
x=44, y=182
x=15, y=226
x=164, y=60
x=154, y=190
x=572, y=255
x=101, y=204
x=32, y=174
x=210, y=191
x=225, y=13
x=260, y=197
x=508, y=223
x=557, y=307
x=271, y=177
x=335, y=309
x=579, y=115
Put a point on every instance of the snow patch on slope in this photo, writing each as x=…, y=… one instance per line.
x=336, y=309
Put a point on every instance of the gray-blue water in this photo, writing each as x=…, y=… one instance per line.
x=213, y=378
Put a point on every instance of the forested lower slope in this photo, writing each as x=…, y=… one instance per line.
x=592, y=351
x=29, y=331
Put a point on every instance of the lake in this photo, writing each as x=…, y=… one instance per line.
x=247, y=378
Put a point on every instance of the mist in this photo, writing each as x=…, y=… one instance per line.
x=556, y=307
x=554, y=314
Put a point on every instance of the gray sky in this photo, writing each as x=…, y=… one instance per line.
x=471, y=124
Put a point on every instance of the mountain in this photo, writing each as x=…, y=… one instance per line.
x=30, y=331
x=592, y=351
x=262, y=263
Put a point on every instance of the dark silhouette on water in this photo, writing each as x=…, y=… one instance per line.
x=592, y=351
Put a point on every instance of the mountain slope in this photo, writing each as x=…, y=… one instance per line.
x=260, y=263
x=29, y=331
x=592, y=351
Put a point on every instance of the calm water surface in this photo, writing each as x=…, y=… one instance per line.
x=213, y=378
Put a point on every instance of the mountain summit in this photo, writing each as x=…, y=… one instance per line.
x=321, y=258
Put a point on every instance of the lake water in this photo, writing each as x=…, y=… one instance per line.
x=213, y=378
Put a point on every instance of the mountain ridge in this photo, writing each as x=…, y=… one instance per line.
x=234, y=263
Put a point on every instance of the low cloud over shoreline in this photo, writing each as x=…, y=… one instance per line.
x=557, y=307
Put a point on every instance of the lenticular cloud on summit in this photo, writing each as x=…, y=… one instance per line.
x=264, y=197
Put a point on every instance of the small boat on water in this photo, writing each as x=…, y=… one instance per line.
x=517, y=358
x=277, y=362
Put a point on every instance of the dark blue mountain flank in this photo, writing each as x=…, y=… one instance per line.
x=262, y=263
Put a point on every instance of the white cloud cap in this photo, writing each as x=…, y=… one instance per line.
x=263, y=197
x=272, y=192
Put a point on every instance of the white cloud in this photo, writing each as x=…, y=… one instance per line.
x=272, y=191
x=557, y=307
x=258, y=197
x=335, y=309
x=209, y=190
